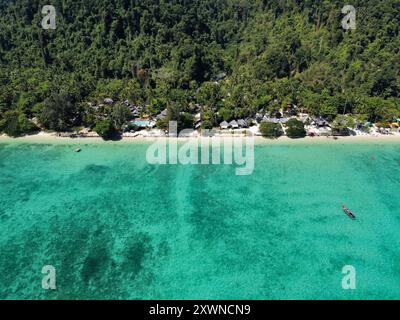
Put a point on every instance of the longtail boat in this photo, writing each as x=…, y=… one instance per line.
x=348, y=212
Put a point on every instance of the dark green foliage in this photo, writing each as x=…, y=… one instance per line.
x=341, y=125
x=207, y=124
x=105, y=129
x=295, y=129
x=15, y=124
x=59, y=113
x=162, y=54
x=185, y=121
x=120, y=115
x=271, y=130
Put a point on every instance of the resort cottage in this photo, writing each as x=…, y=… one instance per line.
x=233, y=124
x=242, y=123
x=224, y=125
x=320, y=122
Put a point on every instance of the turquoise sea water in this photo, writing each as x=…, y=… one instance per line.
x=116, y=227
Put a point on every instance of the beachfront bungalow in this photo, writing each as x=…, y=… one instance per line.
x=273, y=120
x=242, y=123
x=233, y=124
x=224, y=125
x=135, y=113
x=320, y=122
x=284, y=120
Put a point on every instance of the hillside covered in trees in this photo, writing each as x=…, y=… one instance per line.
x=233, y=57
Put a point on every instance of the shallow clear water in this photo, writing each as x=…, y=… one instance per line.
x=116, y=227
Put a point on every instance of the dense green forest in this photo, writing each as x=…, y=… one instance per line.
x=169, y=53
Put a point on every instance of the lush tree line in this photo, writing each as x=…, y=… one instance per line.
x=169, y=53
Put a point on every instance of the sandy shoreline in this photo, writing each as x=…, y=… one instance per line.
x=51, y=138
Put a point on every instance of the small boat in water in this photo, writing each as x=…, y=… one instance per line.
x=348, y=212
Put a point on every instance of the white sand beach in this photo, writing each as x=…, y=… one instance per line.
x=46, y=137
